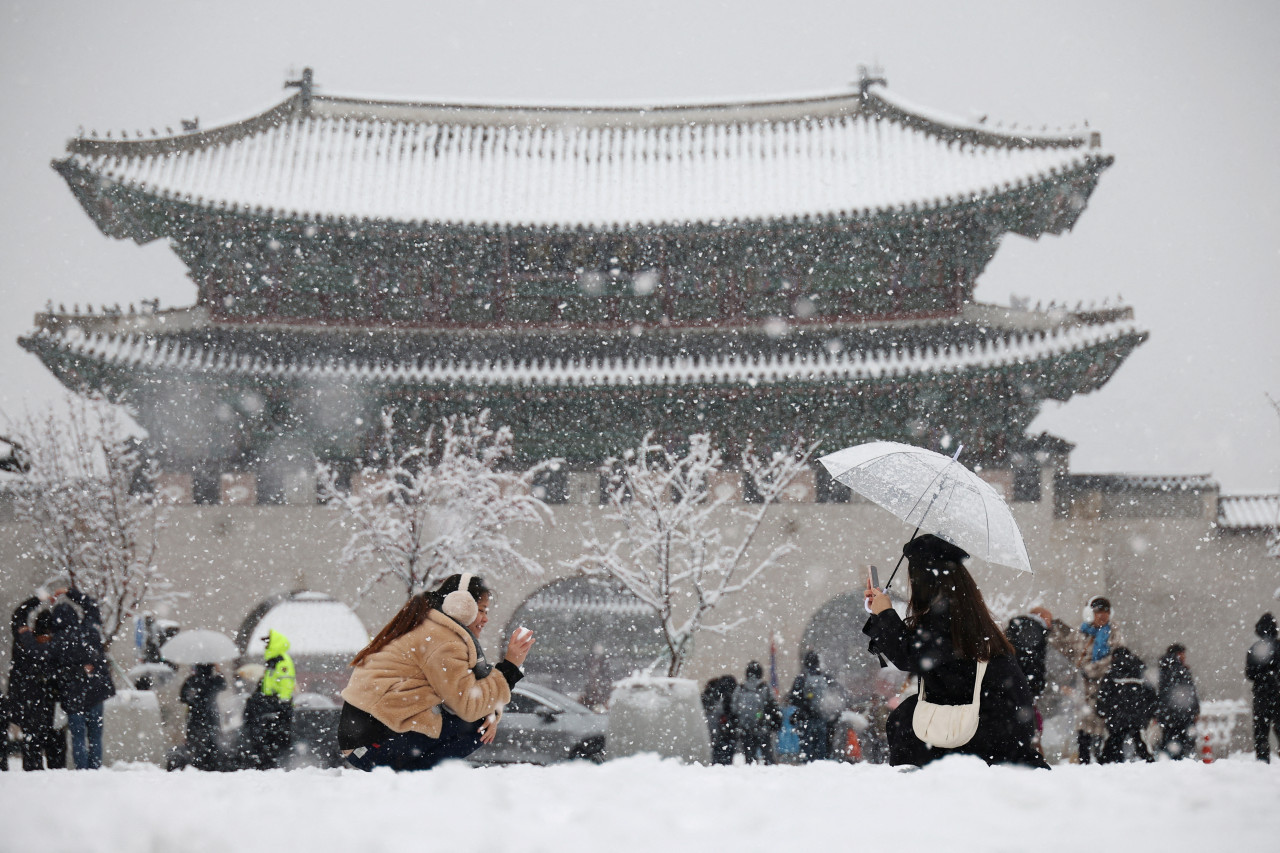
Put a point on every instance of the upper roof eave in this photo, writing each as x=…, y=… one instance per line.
x=870, y=98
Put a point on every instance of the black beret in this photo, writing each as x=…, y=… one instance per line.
x=929, y=547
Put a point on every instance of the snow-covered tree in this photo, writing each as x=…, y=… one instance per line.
x=424, y=511
x=682, y=542
x=88, y=496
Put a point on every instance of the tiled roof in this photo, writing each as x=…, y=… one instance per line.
x=1249, y=512
x=140, y=353
x=1142, y=482
x=850, y=155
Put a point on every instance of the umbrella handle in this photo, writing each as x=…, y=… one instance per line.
x=913, y=536
x=894, y=572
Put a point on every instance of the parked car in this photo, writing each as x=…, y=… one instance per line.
x=543, y=726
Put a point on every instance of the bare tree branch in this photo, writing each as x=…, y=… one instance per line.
x=670, y=549
x=89, y=499
x=421, y=513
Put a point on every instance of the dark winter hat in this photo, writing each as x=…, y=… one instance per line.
x=1266, y=627
x=64, y=616
x=755, y=670
x=928, y=548
x=1098, y=602
x=44, y=622
x=1125, y=664
x=811, y=662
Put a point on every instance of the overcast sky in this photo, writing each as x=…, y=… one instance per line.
x=1184, y=226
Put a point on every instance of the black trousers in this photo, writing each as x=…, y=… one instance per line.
x=41, y=746
x=1113, y=752
x=757, y=747
x=1266, y=716
x=1178, y=742
x=416, y=751
x=1089, y=746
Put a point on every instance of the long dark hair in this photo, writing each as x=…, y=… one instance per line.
x=945, y=587
x=414, y=613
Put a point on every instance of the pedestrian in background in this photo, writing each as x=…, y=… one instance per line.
x=33, y=687
x=717, y=697
x=1179, y=704
x=1262, y=667
x=1099, y=637
x=1127, y=704
x=756, y=714
x=200, y=695
x=813, y=696
x=268, y=713
x=84, y=674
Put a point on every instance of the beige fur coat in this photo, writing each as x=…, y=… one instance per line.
x=404, y=683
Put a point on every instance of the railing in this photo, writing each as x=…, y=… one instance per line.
x=1221, y=719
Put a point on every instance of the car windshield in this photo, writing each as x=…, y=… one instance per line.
x=556, y=699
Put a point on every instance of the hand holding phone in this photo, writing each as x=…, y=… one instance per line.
x=874, y=592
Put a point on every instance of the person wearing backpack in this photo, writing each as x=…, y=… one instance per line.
x=810, y=697
x=757, y=716
x=1127, y=703
x=717, y=697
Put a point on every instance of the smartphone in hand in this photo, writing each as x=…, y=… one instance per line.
x=874, y=573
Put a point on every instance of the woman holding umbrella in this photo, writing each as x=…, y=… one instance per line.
x=948, y=632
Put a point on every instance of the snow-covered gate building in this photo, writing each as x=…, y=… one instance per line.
x=768, y=270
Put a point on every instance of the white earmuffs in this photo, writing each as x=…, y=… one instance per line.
x=459, y=605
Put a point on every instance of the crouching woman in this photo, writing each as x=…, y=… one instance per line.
x=947, y=632
x=421, y=692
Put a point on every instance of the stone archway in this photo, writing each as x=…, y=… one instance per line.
x=590, y=633
x=835, y=632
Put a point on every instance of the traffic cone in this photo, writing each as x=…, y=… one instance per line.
x=1206, y=751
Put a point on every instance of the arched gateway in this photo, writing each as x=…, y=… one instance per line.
x=589, y=633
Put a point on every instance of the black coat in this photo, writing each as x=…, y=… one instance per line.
x=1029, y=637
x=1179, y=704
x=200, y=694
x=33, y=686
x=1125, y=700
x=1262, y=665
x=84, y=674
x=1006, y=718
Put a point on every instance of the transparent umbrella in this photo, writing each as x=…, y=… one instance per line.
x=199, y=646
x=936, y=494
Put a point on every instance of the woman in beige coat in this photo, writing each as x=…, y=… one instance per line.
x=421, y=692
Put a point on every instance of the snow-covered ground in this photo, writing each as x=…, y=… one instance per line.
x=644, y=804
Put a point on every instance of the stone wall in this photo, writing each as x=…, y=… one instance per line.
x=1171, y=579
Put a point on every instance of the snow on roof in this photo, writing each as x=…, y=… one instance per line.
x=847, y=155
x=140, y=353
x=1143, y=482
x=314, y=624
x=1249, y=512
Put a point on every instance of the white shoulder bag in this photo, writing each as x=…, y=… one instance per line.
x=948, y=726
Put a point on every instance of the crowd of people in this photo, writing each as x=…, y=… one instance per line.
x=423, y=691
x=59, y=662
x=958, y=656
x=1119, y=702
x=265, y=736
x=60, y=679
